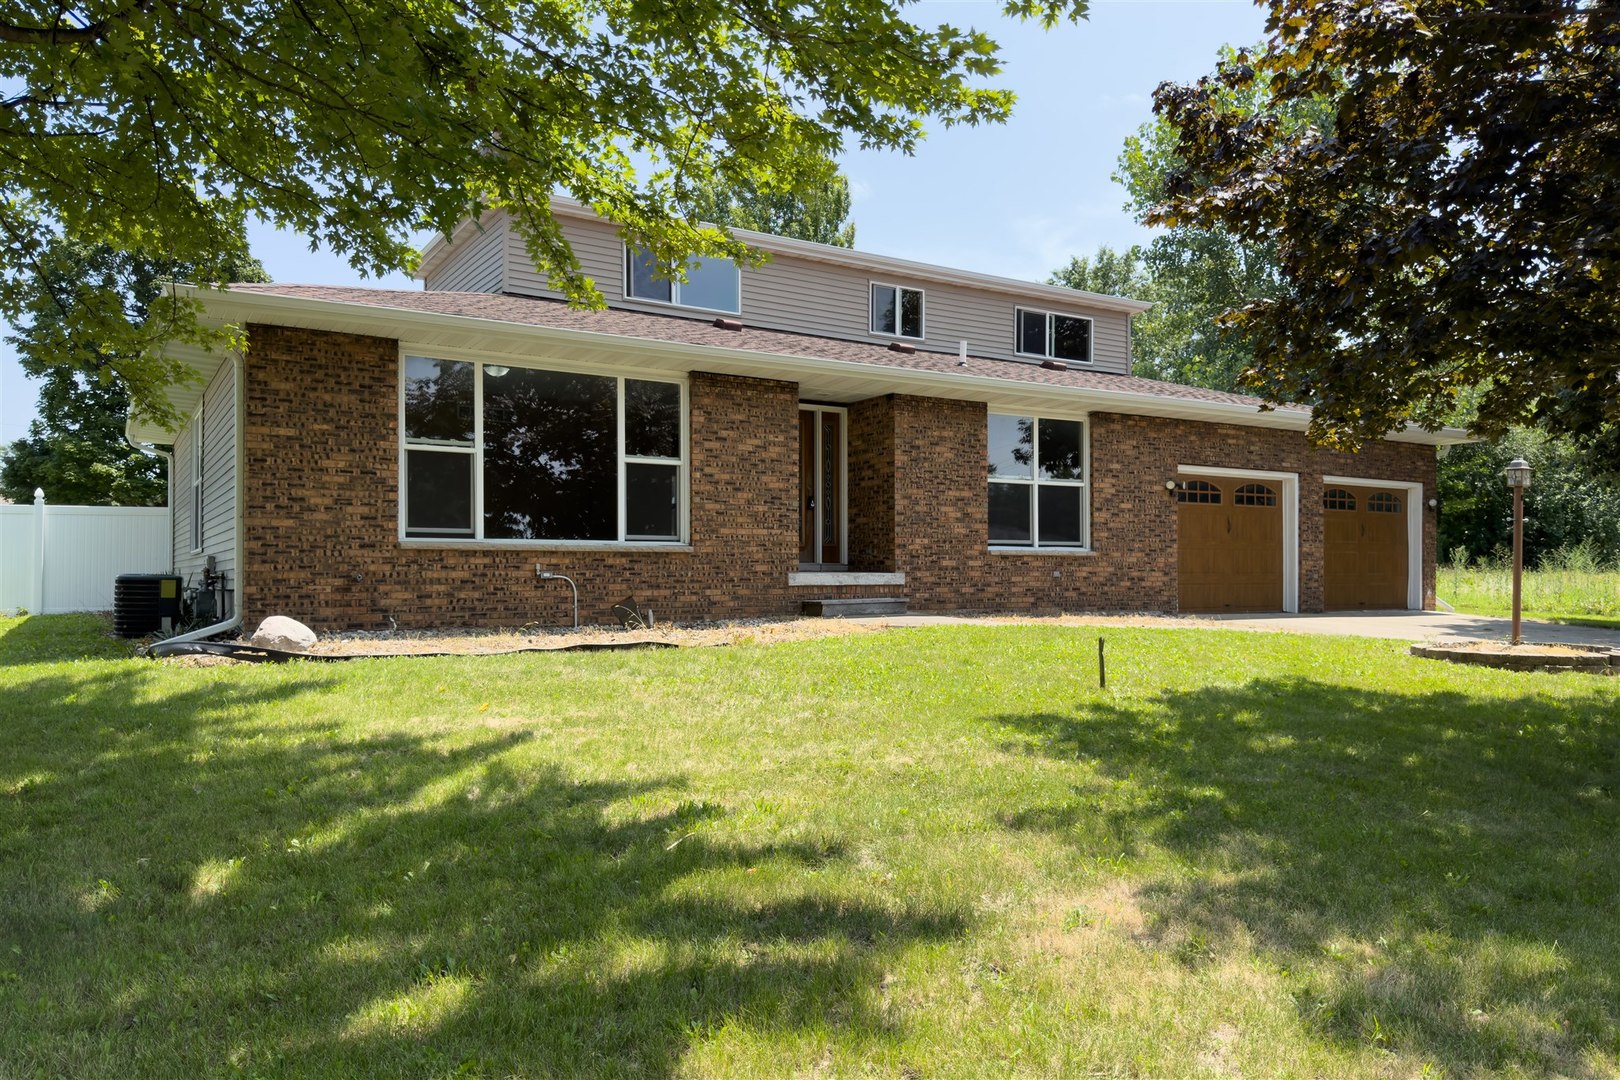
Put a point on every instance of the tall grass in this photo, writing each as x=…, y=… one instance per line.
x=1569, y=582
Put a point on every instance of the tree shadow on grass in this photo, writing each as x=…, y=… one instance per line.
x=1438, y=874
x=197, y=886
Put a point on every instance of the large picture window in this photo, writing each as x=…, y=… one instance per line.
x=1053, y=336
x=1037, y=482
x=504, y=453
x=711, y=284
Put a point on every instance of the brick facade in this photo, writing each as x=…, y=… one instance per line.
x=321, y=506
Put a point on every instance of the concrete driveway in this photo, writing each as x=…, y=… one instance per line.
x=1417, y=626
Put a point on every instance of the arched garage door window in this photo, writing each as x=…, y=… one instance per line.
x=1254, y=495
x=1198, y=491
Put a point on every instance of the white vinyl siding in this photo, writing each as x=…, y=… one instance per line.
x=806, y=296
x=218, y=410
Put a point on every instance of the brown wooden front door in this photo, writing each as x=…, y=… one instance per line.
x=1364, y=548
x=821, y=487
x=1229, y=546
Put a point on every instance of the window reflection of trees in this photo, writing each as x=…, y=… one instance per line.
x=550, y=460
x=438, y=400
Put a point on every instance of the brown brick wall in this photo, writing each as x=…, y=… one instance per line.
x=871, y=485
x=944, y=528
x=321, y=499
x=321, y=507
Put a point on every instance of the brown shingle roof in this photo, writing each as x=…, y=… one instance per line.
x=532, y=311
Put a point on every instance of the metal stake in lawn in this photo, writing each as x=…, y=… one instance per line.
x=1518, y=478
x=1102, y=667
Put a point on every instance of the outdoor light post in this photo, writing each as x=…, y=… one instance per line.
x=1518, y=478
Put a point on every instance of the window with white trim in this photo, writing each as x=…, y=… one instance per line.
x=197, y=480
x=712, y=284
x=897, y=311
x=1052, y=336
x=516, y=453
x=1038, y=472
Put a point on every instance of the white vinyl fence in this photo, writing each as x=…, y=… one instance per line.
x=55, y=559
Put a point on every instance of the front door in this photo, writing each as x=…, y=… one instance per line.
x=821, y=487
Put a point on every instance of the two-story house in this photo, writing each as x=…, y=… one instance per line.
x=831, y=425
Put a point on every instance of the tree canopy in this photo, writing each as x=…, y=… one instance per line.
x=1455, y=224
x=1194, y=274
x=818, y=212
x=163, y=127
x=75, y=448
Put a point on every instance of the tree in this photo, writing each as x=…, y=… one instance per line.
x=75, y=449
x=161, y=126
x=1124, y=273
x=1566, y=507
x=1457, y=224
x=1198, y=274
x=818, y=212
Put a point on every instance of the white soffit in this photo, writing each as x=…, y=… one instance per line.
x=184, y=396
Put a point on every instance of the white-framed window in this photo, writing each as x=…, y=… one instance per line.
x=897, y=311
x=711, y=284
x=504, y=452
x=197, y=481
x=1038, y=479
x=1052, y=336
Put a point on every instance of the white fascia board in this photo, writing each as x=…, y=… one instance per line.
x=401, y=323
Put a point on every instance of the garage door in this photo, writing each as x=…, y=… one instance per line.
x=1364, y=547
x=1230, y=545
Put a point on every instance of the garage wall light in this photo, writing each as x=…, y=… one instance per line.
x=1171, y=486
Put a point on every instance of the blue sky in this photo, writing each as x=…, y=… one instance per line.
x=1017, y=199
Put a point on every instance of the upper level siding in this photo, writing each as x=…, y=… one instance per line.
x=803, y=295
x=478, y=258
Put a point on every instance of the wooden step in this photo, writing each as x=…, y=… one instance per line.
x=849, y=608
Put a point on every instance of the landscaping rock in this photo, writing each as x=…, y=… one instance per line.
x=280, y=632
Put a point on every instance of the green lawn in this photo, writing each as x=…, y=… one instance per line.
x=1588, y=598
x=921, y=853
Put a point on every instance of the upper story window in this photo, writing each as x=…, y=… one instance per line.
x=1037, y=482
x=494, y=452
x=1053, y=336
x=711, y=284
x=897, y=311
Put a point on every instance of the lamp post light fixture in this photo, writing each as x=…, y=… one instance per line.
x=1518, y=478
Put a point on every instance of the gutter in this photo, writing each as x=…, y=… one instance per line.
x=395, y=320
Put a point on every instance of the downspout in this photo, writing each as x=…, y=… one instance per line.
x=237, y=372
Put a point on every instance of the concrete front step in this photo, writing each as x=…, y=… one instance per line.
x=864, y=605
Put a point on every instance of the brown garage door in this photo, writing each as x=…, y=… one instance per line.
x=1229, y=547
x=1364, y=547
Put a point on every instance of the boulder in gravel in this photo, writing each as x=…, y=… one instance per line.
x=280, y=632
